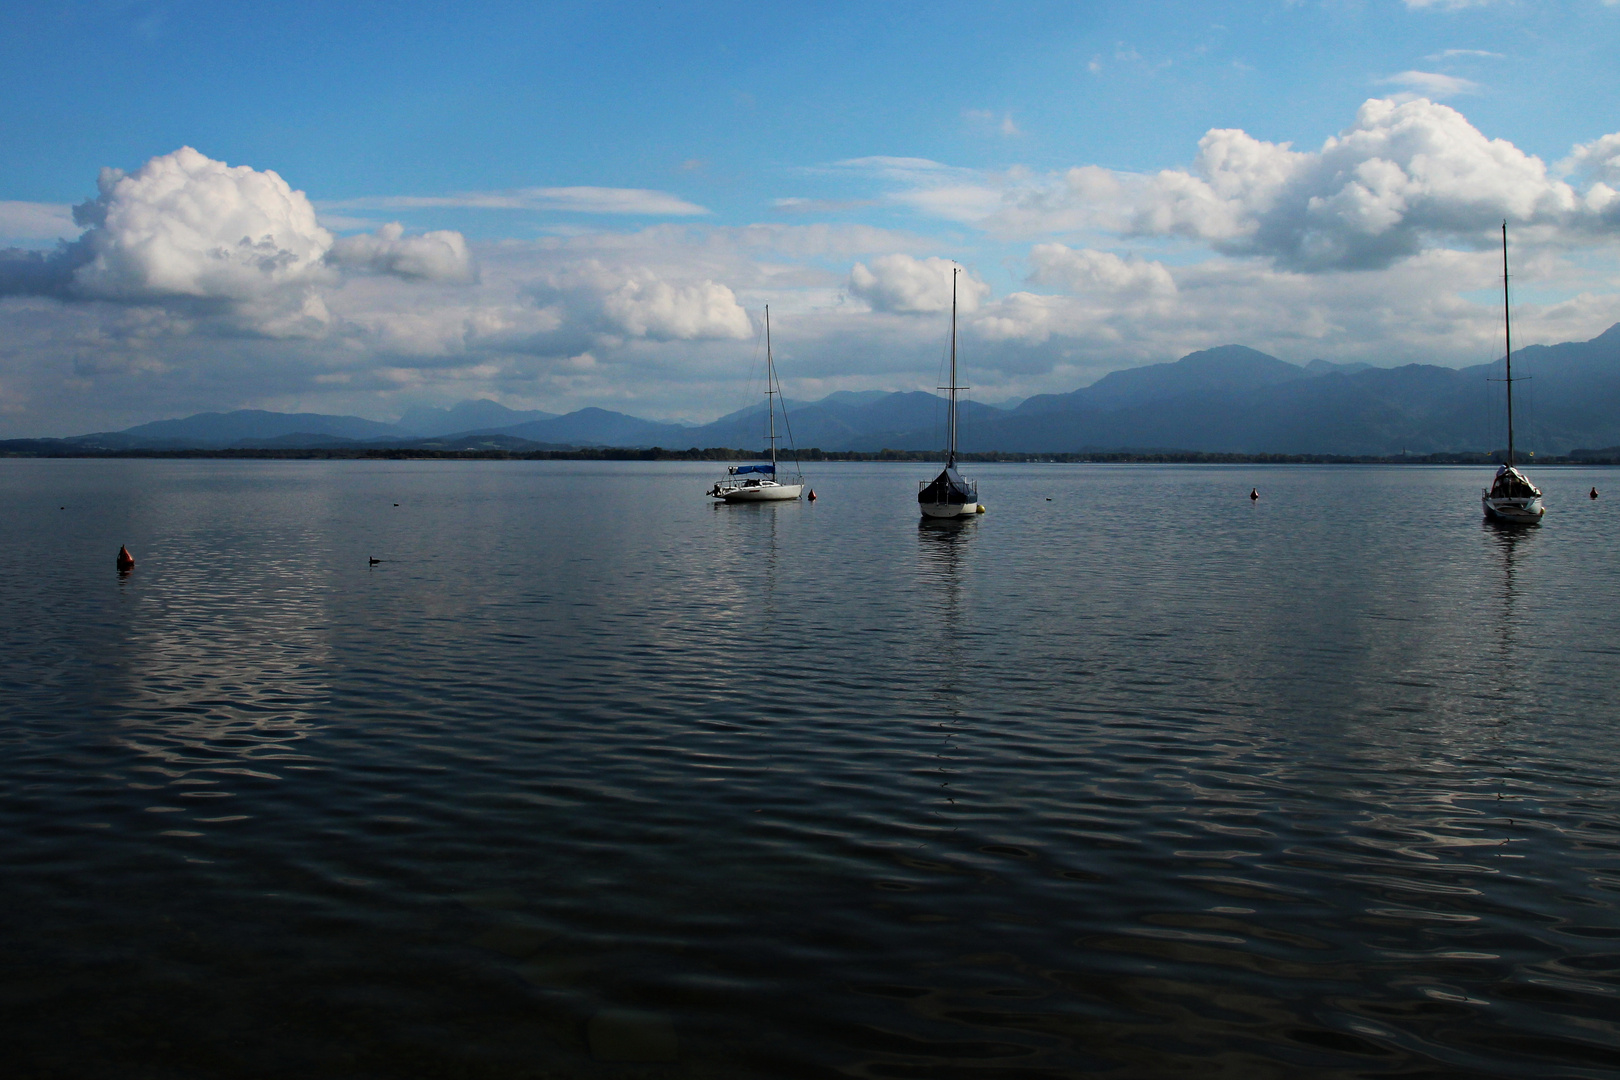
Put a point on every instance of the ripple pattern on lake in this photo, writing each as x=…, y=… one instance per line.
x=1131, y=776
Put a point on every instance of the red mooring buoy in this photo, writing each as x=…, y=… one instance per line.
x=1254, y=493
x=1594, y=493
x=126, y=561
x=813, y=494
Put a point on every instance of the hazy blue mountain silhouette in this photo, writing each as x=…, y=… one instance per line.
x=1227, y=369
x=1231, y=398
x=478, y=415
x=846, y=421
x=227, y=429
x=598, y=427
x=1235, y=399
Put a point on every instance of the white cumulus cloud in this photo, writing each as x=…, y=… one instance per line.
x=907, y=285
x=434, y=256
x=186, y=225
x=1598, y=160
x=1404, y=177
x=219, y=241
x=1098, y=271
x=636, y=302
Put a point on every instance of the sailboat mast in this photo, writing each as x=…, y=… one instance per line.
x=1507, y=329
x=950, y=451
x=770, y=386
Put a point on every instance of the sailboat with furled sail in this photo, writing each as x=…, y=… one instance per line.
x=1511, y=498
x=950, y=495
x=761, y=482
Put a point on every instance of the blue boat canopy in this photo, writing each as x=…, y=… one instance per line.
x=738, y=469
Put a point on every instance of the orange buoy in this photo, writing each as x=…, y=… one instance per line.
x=813, y=495
x=1254, y=493
x=126, y=561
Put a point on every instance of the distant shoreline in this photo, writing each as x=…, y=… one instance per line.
x=27, y=448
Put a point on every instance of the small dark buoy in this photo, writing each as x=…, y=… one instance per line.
x=813, y=495
x=126, y=561
x=372, y=562
x=1254, y=493
x=1049, y=498
x=396, y=504
x=1594, y=493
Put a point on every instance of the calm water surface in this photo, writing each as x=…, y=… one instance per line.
x=1128, y=777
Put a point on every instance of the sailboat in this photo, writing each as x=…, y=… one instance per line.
x=1511, y=498
x=949, y=495
x=761, y=483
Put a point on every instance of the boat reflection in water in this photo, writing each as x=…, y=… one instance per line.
x=942, y=549
x=1512, y=543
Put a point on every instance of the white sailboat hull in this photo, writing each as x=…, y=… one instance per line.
x=1516, y=511
x=746, y=484
x=766, y=492
x=948, y=510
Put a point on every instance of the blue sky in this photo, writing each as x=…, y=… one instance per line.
x=558, y=205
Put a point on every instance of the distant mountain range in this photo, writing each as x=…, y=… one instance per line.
x=1230, y=399
x=1236, y=400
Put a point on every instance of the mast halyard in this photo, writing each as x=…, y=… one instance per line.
x=1507, y=329
x=950, y=449
x=770, y=388
x=770, y=487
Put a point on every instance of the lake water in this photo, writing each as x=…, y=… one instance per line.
x=1130, y=776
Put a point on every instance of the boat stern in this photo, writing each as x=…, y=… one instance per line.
x=1518, y=511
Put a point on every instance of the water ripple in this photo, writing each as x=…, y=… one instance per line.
x=1143, y=780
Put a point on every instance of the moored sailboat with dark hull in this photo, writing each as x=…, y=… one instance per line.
x=1511, y=499
x=950, y=494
